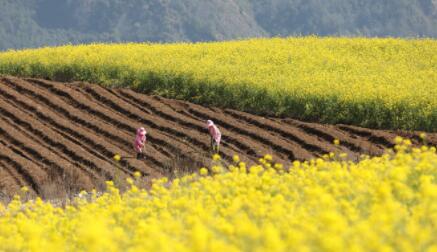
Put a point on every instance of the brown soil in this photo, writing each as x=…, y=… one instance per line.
x=59, y=138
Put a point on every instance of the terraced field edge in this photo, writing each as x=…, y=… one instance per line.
x=373, y=83
x=58, y=138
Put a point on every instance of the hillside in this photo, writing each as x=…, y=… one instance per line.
x=35, y=23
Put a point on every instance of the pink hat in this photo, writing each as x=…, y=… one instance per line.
x=209, y=123
x=141, y=131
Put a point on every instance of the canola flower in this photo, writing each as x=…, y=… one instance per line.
x=386, y=203
x=379, y=83
x=117, y=157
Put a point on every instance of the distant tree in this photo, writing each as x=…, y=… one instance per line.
x=34, y=23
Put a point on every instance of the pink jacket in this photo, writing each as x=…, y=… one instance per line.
x=214, y=132
x=140, y=140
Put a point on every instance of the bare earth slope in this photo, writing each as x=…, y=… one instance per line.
x=59, y=138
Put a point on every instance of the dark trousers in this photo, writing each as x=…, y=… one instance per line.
x=140, y=156
x=215, y=147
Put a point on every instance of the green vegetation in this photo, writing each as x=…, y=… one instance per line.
x=378, y=83
x=35, y=23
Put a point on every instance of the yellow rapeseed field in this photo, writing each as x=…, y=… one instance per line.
x=380, y=83
x=386, y=203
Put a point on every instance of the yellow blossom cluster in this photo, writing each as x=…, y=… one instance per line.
x=377, y=83
x=386, y=203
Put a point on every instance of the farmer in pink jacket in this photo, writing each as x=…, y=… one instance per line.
x=140, y=141
x=215, y=135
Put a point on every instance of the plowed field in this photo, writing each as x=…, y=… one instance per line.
x=59, y=138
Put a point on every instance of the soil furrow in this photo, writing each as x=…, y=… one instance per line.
x=11, y=181
x=4, y=141
x=32, y=175
x=180, y=142
x=248, y=132
x=119, y=108
x=141, y=101
x=352, y=144
x=238, y=143
x=52, y=141
x=284, y=132
x=55, y=169
x=42, y=141
x=386, y=140
x=107, y=126
x=61, y=137
x=183, y=141
x=196, y=132
x=73, y=115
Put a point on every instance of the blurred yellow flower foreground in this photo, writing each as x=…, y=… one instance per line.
x=386, y=203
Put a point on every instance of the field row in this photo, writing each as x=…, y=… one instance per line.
x=61, y=137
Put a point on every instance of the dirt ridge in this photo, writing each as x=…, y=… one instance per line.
x=57, y=138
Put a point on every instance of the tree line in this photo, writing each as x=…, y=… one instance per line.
x=35, y=23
